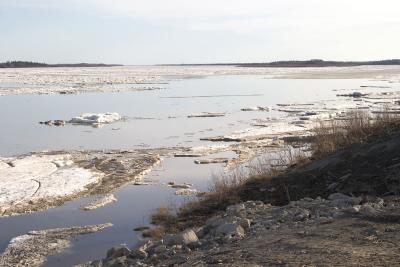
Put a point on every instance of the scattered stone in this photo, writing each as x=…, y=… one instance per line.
x=254, y=223
x=160, y=249
x=119, y=251
x=342, y=200
x=229, y=229
x=184, y=238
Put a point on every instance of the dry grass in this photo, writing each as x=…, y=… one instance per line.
x=225, y=190
x=358, y=128
x=156, y=233
x=164, y=215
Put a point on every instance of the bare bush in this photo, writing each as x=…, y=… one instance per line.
x=357, y=128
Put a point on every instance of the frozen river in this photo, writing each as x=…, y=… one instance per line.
x=154, y=117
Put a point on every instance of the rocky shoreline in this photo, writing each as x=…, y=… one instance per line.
x=343, y=209
x=340, y=230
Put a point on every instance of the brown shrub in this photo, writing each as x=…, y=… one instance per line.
x=164, y=216
x=358, y=127
x=156, y=233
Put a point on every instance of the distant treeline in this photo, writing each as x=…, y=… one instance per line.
x=304, y=63
x=320, y=63
x=28, y=64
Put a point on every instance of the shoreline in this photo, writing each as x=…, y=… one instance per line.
x=341, y=202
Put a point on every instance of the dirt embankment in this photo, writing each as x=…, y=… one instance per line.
x=362, y=170
x=343, y=210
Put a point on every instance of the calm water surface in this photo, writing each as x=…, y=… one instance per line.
x=168, y=126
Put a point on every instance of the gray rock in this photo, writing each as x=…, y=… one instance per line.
x=301, y=215
x=235, y=209
x=367, y=209
x=96, y=263
x=201, y=232
x=215, y=221
x=184, y=238
x=341, y=200
x=119, y=262
x=245, y=223
x=118, y=251
x=230, y=229
x=145, y=246
x=193, y=245
x=336, y=196
x=139, y=254
x=160, y=249
x=353, y=209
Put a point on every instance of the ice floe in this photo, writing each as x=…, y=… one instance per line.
x=140, y=78
x=96, y=118
x=32, y=178
x=257, y=108
x=206, y=115
x=33, y=248
x=100, y=202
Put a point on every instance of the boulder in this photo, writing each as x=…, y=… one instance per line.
x=139, y=254
x=184, y=238
x=301, y=215
x=119, y=262
x=229, y=229
x=118, y=251
x=341, y=200
x=245, y=223
x=235, y=209
x=160, y=249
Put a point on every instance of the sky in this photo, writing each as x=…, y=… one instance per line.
x=198, y=31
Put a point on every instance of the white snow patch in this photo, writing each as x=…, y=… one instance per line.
x=96, y=118
x=37, y=176
x=257, y=108
x=270, y=129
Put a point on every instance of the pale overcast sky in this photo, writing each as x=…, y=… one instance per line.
x=201, y=31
